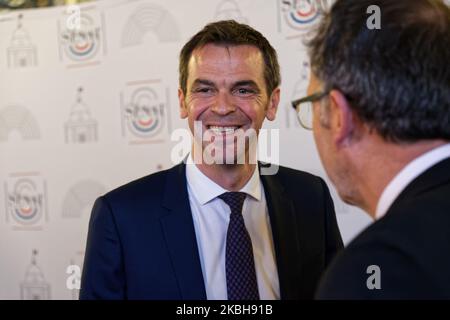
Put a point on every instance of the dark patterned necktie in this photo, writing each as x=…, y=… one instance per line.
x=239, y=261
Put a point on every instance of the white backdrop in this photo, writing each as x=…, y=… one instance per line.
x=70, y=128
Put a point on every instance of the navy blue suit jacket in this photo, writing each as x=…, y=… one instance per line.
x=142, y=245
x=410, y=245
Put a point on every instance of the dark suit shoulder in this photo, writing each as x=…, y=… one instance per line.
x=290, y=172
x=407, y=245
x=297, y=183
x=418, y=226
x=288, y=175
x=376, y=270
x=144, y=195
x=147, y=185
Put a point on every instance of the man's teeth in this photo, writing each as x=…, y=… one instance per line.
x=221, y=130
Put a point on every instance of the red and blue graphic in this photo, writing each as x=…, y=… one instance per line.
x=82, y=43
x=26, y=202
x=145, y=115
x=300, y=14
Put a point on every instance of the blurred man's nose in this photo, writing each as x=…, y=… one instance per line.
x=223, y=104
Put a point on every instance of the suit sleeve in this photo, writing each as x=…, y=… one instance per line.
x=333, y=240
x=103, y=272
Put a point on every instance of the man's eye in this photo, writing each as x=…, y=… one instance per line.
x=244, y=91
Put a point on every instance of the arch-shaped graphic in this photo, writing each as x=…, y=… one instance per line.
x=18, y=118
x=149, y=18
x=82, y=194
x=229, y=9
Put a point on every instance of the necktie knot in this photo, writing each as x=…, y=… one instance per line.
x=235, y=200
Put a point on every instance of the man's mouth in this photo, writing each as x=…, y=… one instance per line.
x=221, y=130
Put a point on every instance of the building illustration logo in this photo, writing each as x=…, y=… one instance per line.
x=34, y=286
x=229, y=10
x=26, y=201
x=83, y=43
x=149, y=18
x=81, y=126
x=144, y=106
x=80, y=196
x=21, y=52
x=18, y=118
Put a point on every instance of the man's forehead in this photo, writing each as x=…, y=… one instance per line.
x=226, y=54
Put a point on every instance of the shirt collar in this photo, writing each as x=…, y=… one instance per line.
x=205, y=189
x=411, y=171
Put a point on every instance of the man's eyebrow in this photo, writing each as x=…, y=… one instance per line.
x=202, y=82
x=249, y=83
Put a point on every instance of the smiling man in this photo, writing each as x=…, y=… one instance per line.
x=215, y=229
x=226, y=95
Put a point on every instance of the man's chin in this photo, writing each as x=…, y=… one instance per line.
x=348, y=198
x=227, y=155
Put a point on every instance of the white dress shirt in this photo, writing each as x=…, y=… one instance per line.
x=211, y=216
x=411, y=171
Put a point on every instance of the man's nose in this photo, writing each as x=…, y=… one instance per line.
x=223, y=104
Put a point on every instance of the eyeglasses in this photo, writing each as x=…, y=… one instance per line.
x=304, y=108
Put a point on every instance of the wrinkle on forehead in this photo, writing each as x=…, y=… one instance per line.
x=229, y=55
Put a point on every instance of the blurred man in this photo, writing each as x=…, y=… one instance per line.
x=216, y=227
x=381, y=119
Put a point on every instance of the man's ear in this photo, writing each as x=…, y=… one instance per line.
x=183, y=108
x=342, y=118
x=272, y=107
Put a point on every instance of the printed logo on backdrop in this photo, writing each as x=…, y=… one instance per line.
x=229, y=10
x=18, y=119
x=299, y=91
x=81, y=127
x=34, y=286
x=26, y=201
x=153, y=19
x=145, y=112
x=297, y=17
x=21, y=52
x=80, y=196
x=82, y=44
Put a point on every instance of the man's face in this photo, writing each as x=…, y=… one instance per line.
x=333, y=158
x=226, y=91
x=320, y=132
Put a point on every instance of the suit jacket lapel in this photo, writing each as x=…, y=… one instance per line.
x=282, y=220
x=179, y=232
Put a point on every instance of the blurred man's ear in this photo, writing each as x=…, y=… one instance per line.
x=341, y=118
x=272, y=107
x=183, y=108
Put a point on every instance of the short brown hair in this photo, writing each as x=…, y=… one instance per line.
x=231, y=33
